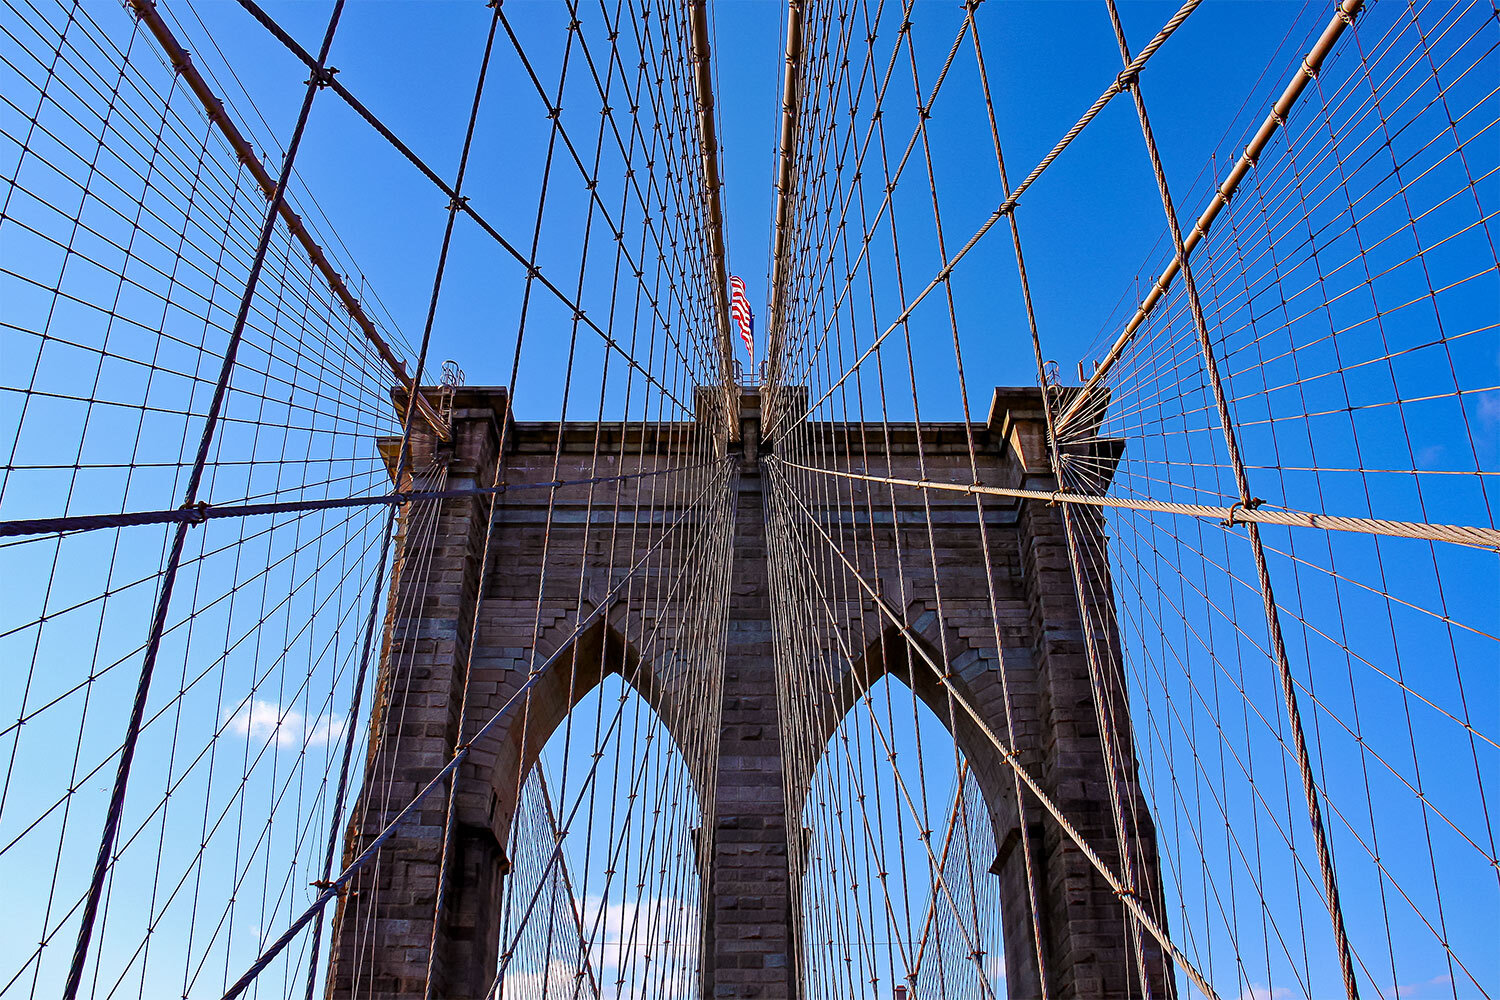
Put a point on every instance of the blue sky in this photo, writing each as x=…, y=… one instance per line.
x=1093, y=232
x=1087, y=225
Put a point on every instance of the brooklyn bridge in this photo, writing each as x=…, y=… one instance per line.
x=1063, y=565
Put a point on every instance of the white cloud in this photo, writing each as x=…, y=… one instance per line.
x=994, y=968
x=261, y=721
x=628, y=930
x=1418, y=989
x=1489, y=414
x=559, y=981
x=1255, y=991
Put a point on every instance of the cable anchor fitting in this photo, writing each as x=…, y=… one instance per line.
x=1252, y=504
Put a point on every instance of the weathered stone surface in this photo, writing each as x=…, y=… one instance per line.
x=1015, y=619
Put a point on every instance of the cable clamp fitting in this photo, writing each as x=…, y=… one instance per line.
x=1127, y=76
x=1252, y=504
x=322, y=76
x=199, y=512
x=458, y=203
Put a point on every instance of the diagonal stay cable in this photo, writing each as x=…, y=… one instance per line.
x=463, y=204
x=1119, y=86
x=333, y=888
x=174, y=558
x=1459, y=534
x=204, y=511
x=1129, y=899
x=1242, y=482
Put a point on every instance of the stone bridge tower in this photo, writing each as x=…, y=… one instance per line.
x=748, y=947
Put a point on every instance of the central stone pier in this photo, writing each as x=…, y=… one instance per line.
x=1017, y=618
x=749, y=927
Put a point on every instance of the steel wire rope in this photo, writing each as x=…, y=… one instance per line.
x=107, y=838
x=549, y=516
x=1010, y=758
x=372, y=849
x=465, y=207
x=1013, y=199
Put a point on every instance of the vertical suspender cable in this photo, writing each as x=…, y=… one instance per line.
x=174, y=559
x=335, y=822
x=1242, y=484
x=1109, y=740
x=441, y=892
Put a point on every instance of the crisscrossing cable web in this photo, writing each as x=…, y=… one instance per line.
x=1154, y=665
x=1274, y=488
x=232, y=529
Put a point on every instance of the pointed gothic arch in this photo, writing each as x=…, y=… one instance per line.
x=903, y=657
x=974, y=673
x=573, y=664
x=885, y=842
x=1017, y=618
x=588, y=912
x=576, y=662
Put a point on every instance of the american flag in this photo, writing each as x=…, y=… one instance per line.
x=739, y=309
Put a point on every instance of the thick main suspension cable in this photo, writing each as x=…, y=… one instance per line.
x=708, y=140
x=463, y=205
x=1238, y=513
x=1006, y=207
x=1275, y=119
x=1011, y=758
x=214, y=108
